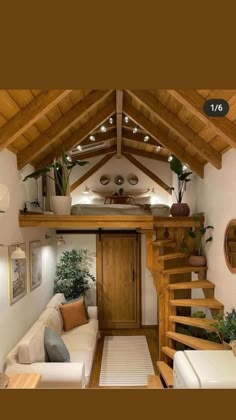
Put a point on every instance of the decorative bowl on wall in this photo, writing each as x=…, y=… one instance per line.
x=119, y=180
x=133, y=180
x=104, y=180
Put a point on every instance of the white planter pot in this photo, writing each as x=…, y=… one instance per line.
x=61, y=204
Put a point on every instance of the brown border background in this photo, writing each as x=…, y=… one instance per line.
x=103, y=44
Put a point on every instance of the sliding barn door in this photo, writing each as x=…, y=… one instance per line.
x=118, y=280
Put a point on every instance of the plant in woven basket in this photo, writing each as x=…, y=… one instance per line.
x=72, y=274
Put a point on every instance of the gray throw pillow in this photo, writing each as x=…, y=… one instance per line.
x=55, y=347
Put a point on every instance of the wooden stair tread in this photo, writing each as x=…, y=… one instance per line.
x=165, y=242
x=196, y=343
x=169, y=351
x=166, y=372
x=195, y=284
x=182, y=270
x=205, y=303
x=154, y=382
x=194, y=322
x=172, y=256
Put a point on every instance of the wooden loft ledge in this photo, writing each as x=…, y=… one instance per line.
x=102, y=221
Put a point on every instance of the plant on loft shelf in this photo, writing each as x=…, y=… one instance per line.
x=72, y=274
x=59, y=171
x=226, y=327
x=179, y=209
x=198, y=259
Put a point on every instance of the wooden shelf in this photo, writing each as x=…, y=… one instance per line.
x=176, y=222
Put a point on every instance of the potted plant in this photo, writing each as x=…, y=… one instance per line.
x=198, y=259
x=226, y=326
x=179, y=209
x=59, y=171
x=72, y=274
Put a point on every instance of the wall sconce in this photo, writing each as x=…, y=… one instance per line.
x=60, y=240
x=4, y=198
x=18, y=254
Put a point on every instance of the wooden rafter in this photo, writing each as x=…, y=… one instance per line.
x=145, y=153
x=194, y=102
x=28, y=115
x=100, y=137
x=91, y=171
x=49, y=136
x=147, y=172
x=192, y=139
x=80, y=134
x=94, y=153
x=119, y=109
x=127, y=134
x=164, y=139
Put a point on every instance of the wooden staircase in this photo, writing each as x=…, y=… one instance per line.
x=173, y=279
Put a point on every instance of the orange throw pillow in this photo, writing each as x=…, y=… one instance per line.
x=73, y=314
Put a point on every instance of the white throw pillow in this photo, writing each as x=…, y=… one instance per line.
x=31, y=347
x=52, y=319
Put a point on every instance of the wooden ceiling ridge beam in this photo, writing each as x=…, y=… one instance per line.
x=91, y=171
x=49, y=136
x=29, y=114
x=145, y=153
x=164, y=139
x=79, y=135
x=192, y=139
x=225, y=128
x=119, y=116
x=147, y=172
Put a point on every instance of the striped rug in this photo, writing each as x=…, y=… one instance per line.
x=126, y=361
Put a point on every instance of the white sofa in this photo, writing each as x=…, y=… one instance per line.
x=29, y=354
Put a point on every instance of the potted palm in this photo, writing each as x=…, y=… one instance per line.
x=179, y=209
x=198, y=259
x=226, y=326
x=59, y=171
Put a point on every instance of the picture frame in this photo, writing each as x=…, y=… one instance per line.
x=17, y=275
x=35, y=264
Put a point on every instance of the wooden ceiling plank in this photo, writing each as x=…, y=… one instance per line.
x=194, y=102
x=29, y=114
x=145, y=153
x=79, y=135
x=169, y=119
x=164, y=139
x=119, y=110
x=147, y=172
x=49, y=136
x=91, y=171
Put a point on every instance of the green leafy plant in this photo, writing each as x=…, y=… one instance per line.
x=183, y=177
x=200, y=239
x=72, y=274
x=226, y=326
x=62, y=168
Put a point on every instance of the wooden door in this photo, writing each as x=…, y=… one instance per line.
x=118, y=280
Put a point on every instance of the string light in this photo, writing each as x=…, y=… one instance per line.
x=126, y=119
x=146, y=138
x=135, y=130
x=103, y=129
x=110, y=120
x=92, y=138
x=79, y=148
x=170, y=158
x=158, y=148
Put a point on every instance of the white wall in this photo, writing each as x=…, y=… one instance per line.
x=216, y=196
x=125, y=168
x=16, y=319
x=149, y=296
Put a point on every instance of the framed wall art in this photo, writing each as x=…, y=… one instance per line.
x=17, y=274
x=35, y=263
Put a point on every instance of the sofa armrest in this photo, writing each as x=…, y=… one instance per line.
x=54, y=375
x=93, y=312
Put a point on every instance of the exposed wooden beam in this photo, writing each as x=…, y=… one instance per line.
x=91, y=171
x=49, y=136
x=164, y=139
x=145, y=153
x=80, y=134
x=127, y=134
x=147, y=172
x=119, y=109
x=28, y=115
x=195, y=102
x=94, y=153
x=197, y=143
x=100, y=137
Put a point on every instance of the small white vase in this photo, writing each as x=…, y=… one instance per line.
x=61, y=205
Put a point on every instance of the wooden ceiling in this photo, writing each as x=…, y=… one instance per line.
x=34, y=124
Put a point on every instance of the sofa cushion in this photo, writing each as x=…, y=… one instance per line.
x=82, y=338
x=31, y=347
x=73, y=314
x=76, y=300
x=52, y=319
x=56, y=300
x=55, y=347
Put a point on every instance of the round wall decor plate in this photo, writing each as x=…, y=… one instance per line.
x=133, y=180
x=119, y=180
x=104, y=180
